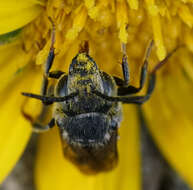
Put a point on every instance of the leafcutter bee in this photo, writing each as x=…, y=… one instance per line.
x=87, y=107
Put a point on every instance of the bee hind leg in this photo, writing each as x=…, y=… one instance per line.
x=55, y=74
x=38, y=128
x=37, y=124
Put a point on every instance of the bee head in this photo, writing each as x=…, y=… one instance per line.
x=83, y=65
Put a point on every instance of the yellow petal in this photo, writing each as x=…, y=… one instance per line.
x=15, y=14
x=54, y=172
x=169, y=115
x=14, y=129
x=12, y=61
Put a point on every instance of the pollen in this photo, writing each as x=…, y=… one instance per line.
x=133, y=4
x=82, y=57
x=108, y=24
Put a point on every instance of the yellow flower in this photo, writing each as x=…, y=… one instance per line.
x=105, y=24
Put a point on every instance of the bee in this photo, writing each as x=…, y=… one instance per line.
x=87, y=107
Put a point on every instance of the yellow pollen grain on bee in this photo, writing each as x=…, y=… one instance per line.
x=82, y=57
x=89, y=65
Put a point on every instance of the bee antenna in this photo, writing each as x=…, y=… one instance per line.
x=50, y=99
x=84, y=47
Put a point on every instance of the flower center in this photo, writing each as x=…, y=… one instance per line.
x=105, y=25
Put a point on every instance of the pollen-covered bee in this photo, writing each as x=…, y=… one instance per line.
x=87, y=107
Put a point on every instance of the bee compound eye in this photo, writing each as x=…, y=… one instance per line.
x=113, y=125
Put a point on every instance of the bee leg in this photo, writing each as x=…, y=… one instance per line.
x=138, y=99
x=36, y=125
x=38, y=128
x=49, y=61
x=126, y=90
x=125, y=69
x=55, y=74
x=131, y=99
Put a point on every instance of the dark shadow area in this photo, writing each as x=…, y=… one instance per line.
x=21, y=177
x=156, y=172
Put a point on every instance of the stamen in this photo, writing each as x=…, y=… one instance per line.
x=42, y=54
x=185, y=15
x=189, y=40
x=122, y=21
x=134, y=4
x=161, y=51
x=40, y=2
x=92, y=9
x=78, y=23
x=187, y=64
x=157, y=30
x=89, y=3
